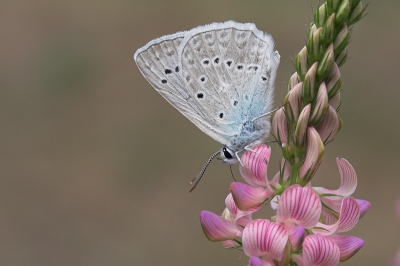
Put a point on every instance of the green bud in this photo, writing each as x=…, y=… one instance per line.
x=308, y=92
x=314, y=45
x=320, y=107
x=333, y=77
x=343, y=12
x=341, y=58
x=292, y=103
x=342, y=39
x=357, y=12
x=300, y=63
x=335, y=101
x=335, y=89
x=330, y=126
x=329, y=29
x=294, y=80
x=333, y=4
x=326, y=63
x=321, y=15
x=311, y=30
x=302, y=124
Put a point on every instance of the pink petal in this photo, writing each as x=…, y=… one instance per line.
x=230, y=244
x=255, y=261
x=349, y=216
x=246, y=196
x=365, y=206
x=215, y=228
x=296, y=237
x=254, y=165
x=265, y=261
x=348, y=180
x=315, y=151
x=348, y=245
x=261, y=237
x=300, y=205
x=319, y=250
x=301, y=127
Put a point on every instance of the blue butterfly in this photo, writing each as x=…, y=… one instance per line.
x=221, y=77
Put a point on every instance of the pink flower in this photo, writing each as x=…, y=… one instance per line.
x=229, y=226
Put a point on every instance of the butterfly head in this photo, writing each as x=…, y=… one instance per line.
x=228, y=156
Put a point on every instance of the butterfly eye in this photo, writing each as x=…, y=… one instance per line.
x=227, y=153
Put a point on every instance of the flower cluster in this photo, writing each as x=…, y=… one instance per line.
x=307, y=227
x=307, y=222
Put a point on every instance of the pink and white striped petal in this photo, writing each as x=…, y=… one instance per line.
x=300, y=205
x=247, y=197
x=348, y=245
x=254, y=165
x=348, y=218
x=216, y=228
x=261, y=237
x=348, y=180
x=320, y=251
x=365, y=206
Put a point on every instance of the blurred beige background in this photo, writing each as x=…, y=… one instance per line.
x=95, y=165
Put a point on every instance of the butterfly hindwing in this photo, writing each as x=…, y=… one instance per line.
x=159, y=63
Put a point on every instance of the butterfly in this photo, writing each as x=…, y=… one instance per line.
x=221, y=77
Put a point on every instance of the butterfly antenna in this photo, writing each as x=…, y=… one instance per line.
x=197, y=179
x=230, y=167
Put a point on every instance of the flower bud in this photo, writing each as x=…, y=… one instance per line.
x=300, y=62
x=280, y=127
x=357, y=12
x=321, y=15
x=247, y=197
x=333, y=4
x=320, y=106
x=335, y=101
x=343, y=12
x=342, y=39
x=330, y=126
x=329, y=29
x=314, y=45
x=326, y=63
x=294, y=80
x=311, y=30
x=332, y=79
x=216, y=228
x=308, y=92
x=341, y=58
x=314, y=153
x=302, y=124
x=292, y=103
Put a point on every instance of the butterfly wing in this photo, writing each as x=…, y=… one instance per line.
x=230, y=70
x=158, y=61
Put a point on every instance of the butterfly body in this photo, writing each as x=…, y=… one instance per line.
x=220, y=76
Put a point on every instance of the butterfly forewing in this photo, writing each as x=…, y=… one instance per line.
x=230, y=69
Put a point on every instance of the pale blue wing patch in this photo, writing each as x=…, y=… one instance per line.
x=233, y=67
